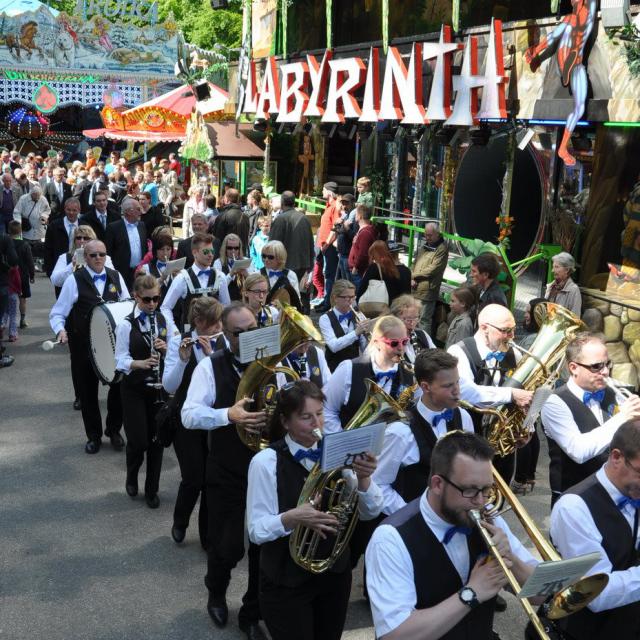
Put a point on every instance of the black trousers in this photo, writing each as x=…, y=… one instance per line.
x=87, y=382
x=75, y=357
x=505, y=466
x=527, y=459
x=139, y=407
x=226, y=494
x=315, y=610
x=191, y=450
x=304, y=295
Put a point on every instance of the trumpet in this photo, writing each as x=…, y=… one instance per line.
x=359, y=318
x=620, y=388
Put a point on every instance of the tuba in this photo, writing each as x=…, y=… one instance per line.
x=295, y=329
x=540, y=367
x=306, y=546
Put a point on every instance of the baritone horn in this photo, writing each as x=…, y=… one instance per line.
x=306, y=546
x=564, y=603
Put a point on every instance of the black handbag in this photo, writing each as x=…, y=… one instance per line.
x=26, y=223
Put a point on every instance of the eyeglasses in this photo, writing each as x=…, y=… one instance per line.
x=149, y=299
x=258, y=292
x=395, y=343
x=268, y=256
x=507, y=331
x=97, y=255
x=596, y=367
x=83, y=238
x=208, y=252
x=469, y=492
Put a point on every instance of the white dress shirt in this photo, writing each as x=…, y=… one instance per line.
x=217, y=265
x=574, y=533
x=560, y=425
x=489, y=394
x=390, y=580
x=334, y=343
x=123, y=333
x=62, y=270
x=134, y=243
x=325, y=373
x=70, y=227
x=410, y=352
x=173, y=366
x=69, y=296
x=182, y=282
x=400, y=449
x=338, y=389
x=264, y=520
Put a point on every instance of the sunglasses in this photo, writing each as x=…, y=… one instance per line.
x=208, y=252
x=233, y=248
x=98, y=255
x=395, y=343
x=507, y=331
x=596, y=367
x=83, y=238
x=149, y=299
x=268, y=256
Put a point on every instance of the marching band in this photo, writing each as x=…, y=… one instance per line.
x=249, y=440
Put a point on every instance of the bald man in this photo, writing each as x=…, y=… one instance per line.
x=484, y=360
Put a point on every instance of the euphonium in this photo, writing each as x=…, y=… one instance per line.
x=295, y=329
x=564, y=603
x=539, y=367
x=306, y=546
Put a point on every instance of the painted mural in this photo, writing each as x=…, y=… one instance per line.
x=44, y=39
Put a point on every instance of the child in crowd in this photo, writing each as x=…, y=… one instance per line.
x=259, y=240
x=461, y=326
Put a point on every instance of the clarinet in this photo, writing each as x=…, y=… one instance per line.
x=155, y=380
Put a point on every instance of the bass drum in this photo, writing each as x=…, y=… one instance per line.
x=102, y=337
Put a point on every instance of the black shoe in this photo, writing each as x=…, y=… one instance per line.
x=501, y=604
x=218, y=610
x=252, y=630
x=6, y=361
x=116, y=440
x=178, y=534
x=152, y=500
x=92, y=446
x=77, y=405
x=131, y=488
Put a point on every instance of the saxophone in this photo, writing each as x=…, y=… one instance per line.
x=306, y=546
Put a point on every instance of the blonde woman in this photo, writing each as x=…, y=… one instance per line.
x=382, y=364
x=408, y=309
x=274, y=257
x=231, y=250
x=254, y=292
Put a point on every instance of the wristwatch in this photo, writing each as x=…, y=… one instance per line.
x=468, y=596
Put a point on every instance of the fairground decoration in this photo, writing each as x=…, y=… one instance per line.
x=45, y=98
x=24, y=124
x=327, y=88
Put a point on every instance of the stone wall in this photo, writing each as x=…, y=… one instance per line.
x=622, y=333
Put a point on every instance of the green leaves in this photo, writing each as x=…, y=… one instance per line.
x=473, y=247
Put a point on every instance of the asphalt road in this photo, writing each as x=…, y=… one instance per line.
x=79, y=558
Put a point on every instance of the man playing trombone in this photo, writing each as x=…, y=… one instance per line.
x=452, y=592
x=581, y=417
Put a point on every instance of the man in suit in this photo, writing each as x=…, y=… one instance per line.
x=57, y=239
x=100, y=216
x=56, y=193
x=126, y=240
x=232, y=219
x=199, y=225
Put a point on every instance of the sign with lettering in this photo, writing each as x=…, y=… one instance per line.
x=54, y=77
x=328, y=88
x=112, y=9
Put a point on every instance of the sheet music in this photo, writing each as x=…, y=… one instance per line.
x=550, y=577
x=173, y=266
x=338, y=449
x=239, y=265
x=79, y=255
x=259, y=343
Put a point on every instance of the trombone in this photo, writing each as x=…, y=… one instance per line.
x=564, y=603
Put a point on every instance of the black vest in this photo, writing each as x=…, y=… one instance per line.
x=621, y=623
x=435, y=577
x=229, y=458
x=348, y=353
x=282, y=283
x=155, y=272
x=232, y=284
x=563, y=471
x=139, y=349
x=313, y=366
x=363, y=369
x=275, y=558
x=88, y=298
x=197, y=287
x=413, y=479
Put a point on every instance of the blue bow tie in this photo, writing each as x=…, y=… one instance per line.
x=451, y=531
x=142, y=317
x=623, y=502
x=446, y=415
x=345, y=316
x=102, y=277
x=385, y=375
x=312, y=454
x=498, y=356
x=161, y=265
x=275, y=274
x=588, y=396
x=205, y=272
